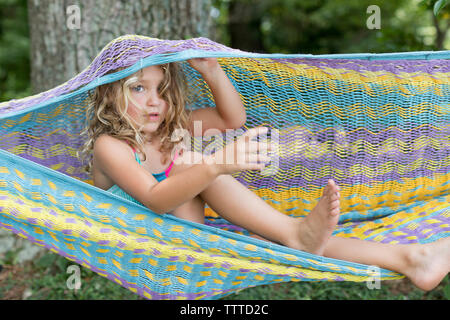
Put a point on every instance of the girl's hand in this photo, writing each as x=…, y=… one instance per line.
x=242, y=154
x=204, y=65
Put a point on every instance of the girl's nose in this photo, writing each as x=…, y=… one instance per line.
x=153, y=99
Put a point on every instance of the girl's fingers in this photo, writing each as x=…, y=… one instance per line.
x=253, y=166
x=247, y=154
x=257, y=157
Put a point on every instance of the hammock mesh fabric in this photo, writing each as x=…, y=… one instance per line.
x=378, y=124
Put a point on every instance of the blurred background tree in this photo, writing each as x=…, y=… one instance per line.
x=67, y=35
x=441, y=20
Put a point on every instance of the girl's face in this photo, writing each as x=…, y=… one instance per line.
x=146, y=93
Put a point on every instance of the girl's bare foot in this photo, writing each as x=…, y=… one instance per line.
x=315, y=230
x=428, y=264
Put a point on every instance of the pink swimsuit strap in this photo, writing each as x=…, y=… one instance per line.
x=171, y=165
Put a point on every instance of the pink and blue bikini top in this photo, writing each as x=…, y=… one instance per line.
x=115, y=189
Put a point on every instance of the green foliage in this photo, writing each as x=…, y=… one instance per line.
x=447, y=290
x=14, y=50
x=46, y=279
x=9, y=257
x=439, y=5
x=334, y=26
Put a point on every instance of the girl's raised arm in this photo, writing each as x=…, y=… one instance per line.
x=229, y=112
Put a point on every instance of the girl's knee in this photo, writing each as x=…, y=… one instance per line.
x=193, y=210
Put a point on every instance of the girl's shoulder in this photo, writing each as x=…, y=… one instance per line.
x=106, y=146
x=110, y=157
x=114, y=164
x=110, y=141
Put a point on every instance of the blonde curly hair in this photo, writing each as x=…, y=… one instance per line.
x=107, y=113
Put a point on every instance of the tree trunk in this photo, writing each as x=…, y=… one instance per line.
x=440, y=34
x=67, y=35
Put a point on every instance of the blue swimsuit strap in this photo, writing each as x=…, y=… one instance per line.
x=135, y=153
x=137, y=157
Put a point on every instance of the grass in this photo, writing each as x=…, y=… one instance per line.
x=389, y=290
x=46, y=277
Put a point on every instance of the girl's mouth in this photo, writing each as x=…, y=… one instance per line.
x=153, y=116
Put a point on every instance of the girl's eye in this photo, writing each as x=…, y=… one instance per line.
x=138, y=88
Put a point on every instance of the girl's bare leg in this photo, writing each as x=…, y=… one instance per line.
x=425, y=265
x=193, y=210
x=237, y=204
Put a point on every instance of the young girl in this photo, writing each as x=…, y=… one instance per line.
x=129, y=134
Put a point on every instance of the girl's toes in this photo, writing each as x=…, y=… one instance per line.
x=335, y=204
x=335, y=212
x=335, y=196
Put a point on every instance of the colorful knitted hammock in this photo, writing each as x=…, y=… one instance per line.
x=378, y=124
